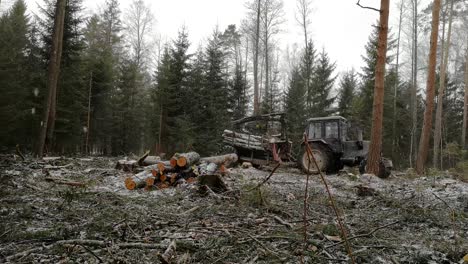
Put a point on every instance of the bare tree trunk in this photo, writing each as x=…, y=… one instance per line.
x=304, y=10
x=256, y=104
x=375, y=148
x=414, y=88
x=265, y=44
x=395, y=91
x=52, y=78
x=465, y=104
x=440, y=96
x=88, y=130
x=427, y=125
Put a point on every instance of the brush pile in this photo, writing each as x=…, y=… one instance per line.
x=182, y=168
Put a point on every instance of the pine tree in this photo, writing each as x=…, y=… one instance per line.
x=347, y=90
x=322, y=84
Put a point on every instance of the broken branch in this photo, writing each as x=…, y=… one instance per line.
x=368, y=7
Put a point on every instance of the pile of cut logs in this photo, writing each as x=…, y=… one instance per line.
x=243, y=140
x=181, y=168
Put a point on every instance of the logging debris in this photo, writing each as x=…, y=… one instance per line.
x=45, y=222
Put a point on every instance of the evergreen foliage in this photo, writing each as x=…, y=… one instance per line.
x=347, y=89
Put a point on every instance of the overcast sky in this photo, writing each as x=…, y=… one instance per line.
x=339, y=26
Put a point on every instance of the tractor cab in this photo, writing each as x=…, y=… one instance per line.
x=327, y=128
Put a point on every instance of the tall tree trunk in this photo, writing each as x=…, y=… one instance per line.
x=375, y=148
x=414, y=86
x=427, y=125
x=88, y=129
x=256, y=105
x=465, y=102
x=48, y=123
x=395, y=91
x=304, y=11
x=267, y=61
x=440, y=96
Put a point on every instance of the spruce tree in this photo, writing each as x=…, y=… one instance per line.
x=216, y=105
x=295, y=107
x=15, y=76
x=307, y=69
x=238, y=87
x=347, y=90
x=178, y=96
x=362, y=106
x=322, y=84
x=72, y=91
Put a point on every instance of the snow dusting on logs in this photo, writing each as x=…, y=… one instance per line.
x=181, y=168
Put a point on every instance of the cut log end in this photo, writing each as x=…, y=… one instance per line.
x=181, y=161
x=131, y=185
x=162, y=167
x=173, y=162
x=150, y=181
x=162, y=177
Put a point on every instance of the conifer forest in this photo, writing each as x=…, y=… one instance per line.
x=254, y=143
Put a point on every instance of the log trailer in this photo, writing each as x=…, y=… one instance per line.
x=260, y=140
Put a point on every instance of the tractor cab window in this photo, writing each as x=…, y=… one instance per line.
x=344, y=130
x=315, y=130
x=331, y=130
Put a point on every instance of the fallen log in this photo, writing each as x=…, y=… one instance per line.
x=137, y=181
x=165, y=166
x=187, y=159
x=51, y=158
x=230, y=133
x=126, y=165
x=150, y=160
x=244, y=145
x=226, y=160
x=140, y=160
x=64, y=182
x=150, y=181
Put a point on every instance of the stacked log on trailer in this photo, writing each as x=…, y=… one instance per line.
x=243, y=140
x=181, y=168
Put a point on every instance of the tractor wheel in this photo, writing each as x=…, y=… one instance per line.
x=321, y=156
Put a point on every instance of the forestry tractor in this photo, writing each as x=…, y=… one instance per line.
x=333, y=149
x=262, y=140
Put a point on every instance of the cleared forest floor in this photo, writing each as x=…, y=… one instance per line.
x=405, y=220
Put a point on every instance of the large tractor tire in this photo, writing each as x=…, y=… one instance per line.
x=322, y=156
